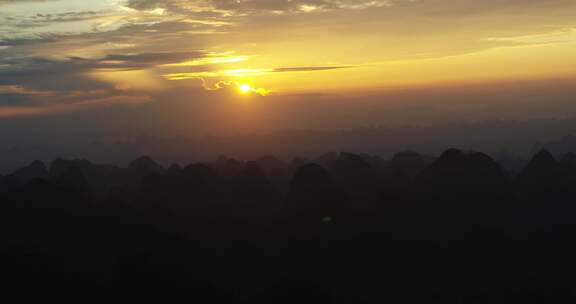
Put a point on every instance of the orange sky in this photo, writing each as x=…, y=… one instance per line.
x=64, y=56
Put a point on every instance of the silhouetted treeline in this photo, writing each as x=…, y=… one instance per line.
x=341, y=228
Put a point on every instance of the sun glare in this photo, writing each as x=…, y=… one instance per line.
x=245, y=88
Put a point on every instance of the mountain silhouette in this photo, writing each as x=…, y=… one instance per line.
x=358, y=178
x=36, y=169
x=346, y=228
x=145, y=165
x=408, y=163
x=73, y=179
x=99, y=177
x=463, y=179
x=568, y=160
x=313, y=191
x=544, y=179
x=9, y=183
x=252, y=188
x=228, y=167
x=174, y=170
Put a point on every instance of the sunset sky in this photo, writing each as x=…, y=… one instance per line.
x=106, y=68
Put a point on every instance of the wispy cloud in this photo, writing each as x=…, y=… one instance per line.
x=562, y=35
x=250, y=72
x=234, y=7
x=310, y=68
x=65, y=107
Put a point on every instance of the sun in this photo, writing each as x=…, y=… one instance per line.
x=245, y=88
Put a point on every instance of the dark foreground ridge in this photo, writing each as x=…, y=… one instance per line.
x=342, y=228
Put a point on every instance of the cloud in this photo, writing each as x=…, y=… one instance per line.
x=38, y=20
x=234, y=88
x=249, y=72
x=9, y=42
x=563, y=35
x=309, y=69
x=177, y=39
x=147, y=59
x=17, y=101
x=298, y=5
x=240, y=8
x=37, y=72
x=62, y=107
x=42, y=85
x=21, y=1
